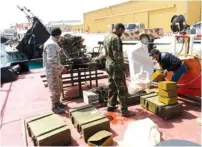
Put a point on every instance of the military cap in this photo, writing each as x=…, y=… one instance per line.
x=119, y=26
x=56, y=31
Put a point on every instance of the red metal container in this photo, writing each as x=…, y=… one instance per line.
x=190, y=83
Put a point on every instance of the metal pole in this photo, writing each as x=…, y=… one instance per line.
x=186, y=9
x=174, y=43
x=28, y=10
x=191, y=43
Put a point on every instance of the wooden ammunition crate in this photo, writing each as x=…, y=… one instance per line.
x=163, y=110
x=88, y=121
x=168, y=101
x=48, y=130
x=167, y=93
x=143, y=99
x=167, y=85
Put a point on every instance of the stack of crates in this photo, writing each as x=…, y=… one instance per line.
x=88, y=120
x=164, y=102
x=167, y=92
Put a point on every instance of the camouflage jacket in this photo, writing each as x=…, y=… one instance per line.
x=51, y=55
x=113, y=50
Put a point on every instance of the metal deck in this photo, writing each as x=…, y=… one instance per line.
x=27, y=97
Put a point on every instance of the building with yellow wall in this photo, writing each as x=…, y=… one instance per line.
x=201, y=10
x=154, y=14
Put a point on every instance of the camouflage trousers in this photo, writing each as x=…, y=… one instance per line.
x=117, y=87
x=55, y=85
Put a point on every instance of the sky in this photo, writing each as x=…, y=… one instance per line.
x=49, y=10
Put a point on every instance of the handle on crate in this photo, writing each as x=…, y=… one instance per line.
x=147, y=104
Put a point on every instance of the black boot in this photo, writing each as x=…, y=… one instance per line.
x=61, y=105
x=128, y=113
x=57, y=110
x=111, y=108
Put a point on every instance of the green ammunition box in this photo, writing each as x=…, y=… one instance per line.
x=163, y=110
x=78, y=109
x=89, y=121
x=170, y=111
x=158, y=76
x=143, y=98
x=153, y=104
x=102, y=138
x=133, y=100
x=48, y=130
x=167, y=93
x=167, y=85
x=151, y=90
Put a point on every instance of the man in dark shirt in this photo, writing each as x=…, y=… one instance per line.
x=169, y=62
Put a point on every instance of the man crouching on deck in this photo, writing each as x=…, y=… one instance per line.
x=53, y=69
x=169, y=62
x=115, y=70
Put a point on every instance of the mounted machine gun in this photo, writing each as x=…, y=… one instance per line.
x=34, y=37
x=74, y=50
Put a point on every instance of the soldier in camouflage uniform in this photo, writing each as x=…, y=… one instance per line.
x=53, y=69
x=115, y=70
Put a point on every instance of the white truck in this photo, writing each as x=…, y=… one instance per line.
x=137, y=31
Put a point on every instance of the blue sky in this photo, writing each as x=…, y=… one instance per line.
x=49, y=10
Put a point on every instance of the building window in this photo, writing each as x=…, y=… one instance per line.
x=142, y=26
x=131, y=26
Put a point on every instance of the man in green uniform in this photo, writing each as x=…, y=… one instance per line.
x=115, y=70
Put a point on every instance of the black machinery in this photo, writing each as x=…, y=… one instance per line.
x=4, y=39
x=73, y=48
x=34, y=37
x=74, y=51
x=178, y=24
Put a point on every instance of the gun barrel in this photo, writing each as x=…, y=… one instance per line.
x=27, y=15
x=28, y=10
x=21, y=9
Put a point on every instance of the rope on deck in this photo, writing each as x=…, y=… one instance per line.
x=181, y=85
